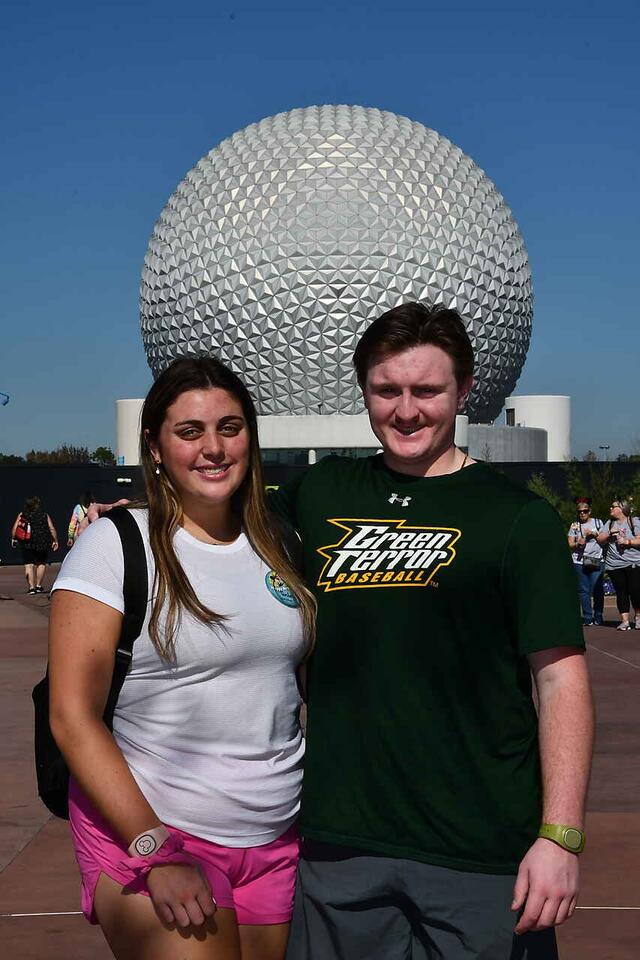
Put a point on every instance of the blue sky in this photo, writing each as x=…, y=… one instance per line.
x=105, y=107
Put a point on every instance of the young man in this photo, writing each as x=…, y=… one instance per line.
x=439, y=813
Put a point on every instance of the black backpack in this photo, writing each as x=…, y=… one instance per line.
x=51, y=769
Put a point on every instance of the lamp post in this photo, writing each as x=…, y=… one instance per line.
x=604, y=447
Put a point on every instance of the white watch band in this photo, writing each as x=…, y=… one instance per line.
x=149, y=842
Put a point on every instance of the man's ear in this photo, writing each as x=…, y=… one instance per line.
x=463, y=393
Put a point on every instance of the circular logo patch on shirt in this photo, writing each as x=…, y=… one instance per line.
x=278, y=589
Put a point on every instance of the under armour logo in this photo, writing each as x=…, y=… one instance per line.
x=394, y=498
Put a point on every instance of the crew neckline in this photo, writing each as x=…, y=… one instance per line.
x=239, y=543
x=457, y=476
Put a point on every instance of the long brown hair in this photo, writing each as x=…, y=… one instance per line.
x=171, y=586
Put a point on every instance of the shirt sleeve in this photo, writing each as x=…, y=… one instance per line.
x=539, y=581
x=94, y=566
x=284, y=501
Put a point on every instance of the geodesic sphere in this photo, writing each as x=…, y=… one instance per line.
x=286, y=240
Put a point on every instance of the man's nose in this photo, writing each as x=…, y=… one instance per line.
x=406, y=408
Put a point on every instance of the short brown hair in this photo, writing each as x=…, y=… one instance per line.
x=412, y=325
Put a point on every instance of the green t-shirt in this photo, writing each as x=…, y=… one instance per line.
x=422, y=734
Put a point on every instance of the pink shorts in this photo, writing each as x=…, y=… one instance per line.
x=257, y=882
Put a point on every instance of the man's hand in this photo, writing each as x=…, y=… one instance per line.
x=546, y=885
x=180, y=894
x=97, y=510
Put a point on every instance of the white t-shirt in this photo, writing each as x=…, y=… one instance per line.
x=214, y=741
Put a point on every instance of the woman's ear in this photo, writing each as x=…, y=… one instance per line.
x=153, y=447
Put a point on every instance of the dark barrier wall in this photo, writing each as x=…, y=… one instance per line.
x=60, y=487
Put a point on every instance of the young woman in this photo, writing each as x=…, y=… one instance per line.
x=621, y=534
x=586, y=553
x=43, y=537
x=204, y=765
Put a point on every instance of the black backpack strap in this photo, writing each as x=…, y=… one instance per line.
x=135, y=589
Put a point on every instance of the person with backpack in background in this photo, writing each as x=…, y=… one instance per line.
x=621, y=536
x=78, y=515
x=184, y=818
x=586, y=553
x=34, y=532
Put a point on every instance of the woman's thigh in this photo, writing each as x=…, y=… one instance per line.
x=619, y=580
x=134, y=931
x=264, y=942
x=634, y=588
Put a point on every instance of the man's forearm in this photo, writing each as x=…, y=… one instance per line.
x=566, y=739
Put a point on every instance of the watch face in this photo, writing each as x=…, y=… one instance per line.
x=573, y=839
x=145, y=845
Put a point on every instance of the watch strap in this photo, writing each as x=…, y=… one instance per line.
x=566, y=836
x=147, y=843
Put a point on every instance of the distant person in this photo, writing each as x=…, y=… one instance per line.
x=78, y=516
x=586, y=553
x=184, y=819
x=42, y=537
x=621, y=535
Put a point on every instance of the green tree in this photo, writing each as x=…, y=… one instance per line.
x=65, y=453
x=104, y=456
x=596, y=482
x=590, y=457
x=539, y=485
x=10, y=458
x=634, y=493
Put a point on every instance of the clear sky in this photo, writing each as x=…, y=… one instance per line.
x=106, y=106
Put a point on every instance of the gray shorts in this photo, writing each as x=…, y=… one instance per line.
x=359, y=907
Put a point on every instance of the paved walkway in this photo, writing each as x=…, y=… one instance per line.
x=39, y=917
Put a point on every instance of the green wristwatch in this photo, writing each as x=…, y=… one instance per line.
x=570, y=838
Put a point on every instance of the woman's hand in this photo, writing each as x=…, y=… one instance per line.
x=181, y=894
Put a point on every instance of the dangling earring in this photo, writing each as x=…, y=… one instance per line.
x=157, y=469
